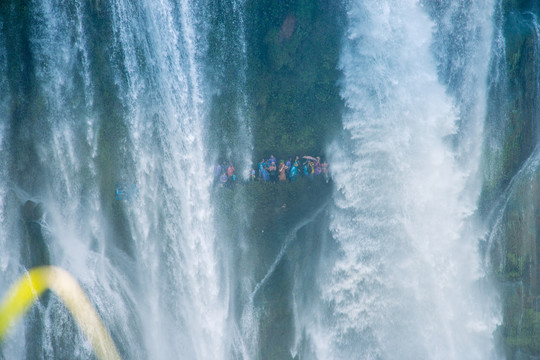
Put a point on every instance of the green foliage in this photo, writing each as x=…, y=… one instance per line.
x=521, y=328
x=530, y=331
x=513, y=267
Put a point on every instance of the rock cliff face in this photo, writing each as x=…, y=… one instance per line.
x=293, y=74
x=511, y=194
x=514, y=254
x=295, y=109
x=273, y=68
x=293, y=81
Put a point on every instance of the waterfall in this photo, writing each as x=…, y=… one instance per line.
x=116, y=99
x=405, y=279
x=4, y=258
x=113, y=114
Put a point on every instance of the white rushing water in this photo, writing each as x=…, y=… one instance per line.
x=399, y=275
x=173, y=231
x=8, y=245
x=405, y=279
x=149, y=264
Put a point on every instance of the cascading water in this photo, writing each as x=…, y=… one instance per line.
x=228, y=58
x=405, y=278
x=145, y=96
x=230, y=140
x=4, y=258
x=147, y=260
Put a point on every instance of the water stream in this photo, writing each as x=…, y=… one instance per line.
x=145, y=96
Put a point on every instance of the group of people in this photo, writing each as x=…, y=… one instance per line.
x=270, y=171
x=307, y=166
x=224, y=174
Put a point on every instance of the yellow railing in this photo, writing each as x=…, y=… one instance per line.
x=31, y=285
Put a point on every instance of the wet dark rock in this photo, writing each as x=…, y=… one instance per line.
x=35, y=251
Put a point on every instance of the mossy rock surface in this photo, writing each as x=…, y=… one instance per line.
x=515, y=258
x=280, y=226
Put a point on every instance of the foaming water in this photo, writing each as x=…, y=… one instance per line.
x=404, y=281
x=173, y=232
x=119, y=93
x=128, y=112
